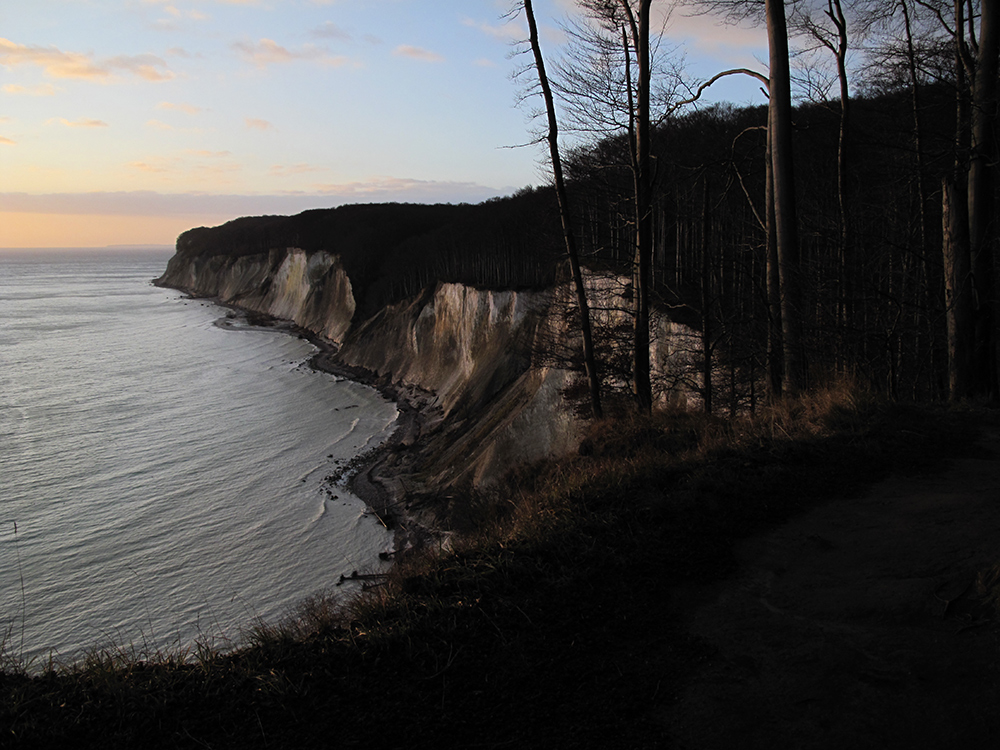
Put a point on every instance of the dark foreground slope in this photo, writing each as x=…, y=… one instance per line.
x=651, y=593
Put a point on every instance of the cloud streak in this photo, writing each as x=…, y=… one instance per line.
x=152, y=203
x=417, y=53
x=255, y=123
x=405, y=188
x=267, y=52
x=291, y=170
x=188, y=109
x=330, y=30
x=506, y=32
x=77, y=66
x=42, y=89
x=81, y=123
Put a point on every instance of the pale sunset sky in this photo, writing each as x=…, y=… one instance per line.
x=129, y=121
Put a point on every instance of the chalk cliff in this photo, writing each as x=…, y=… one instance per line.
x=312, y=290
x=482, y=357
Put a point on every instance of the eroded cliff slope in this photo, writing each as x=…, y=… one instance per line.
x=491, y=366
x=471, y=350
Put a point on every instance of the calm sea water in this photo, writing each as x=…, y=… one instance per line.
x=165, y=476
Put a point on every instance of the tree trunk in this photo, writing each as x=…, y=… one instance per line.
x=775, y=349
x=590, y=363
x=641, y=381
x=846, y=292
x=706, y=304
x=958, y=289
x=783, y=177
x=982, y=195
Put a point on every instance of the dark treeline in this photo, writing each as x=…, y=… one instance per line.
x=393, y=251
x=874, y=310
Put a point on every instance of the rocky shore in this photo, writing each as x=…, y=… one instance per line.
x=378, y=477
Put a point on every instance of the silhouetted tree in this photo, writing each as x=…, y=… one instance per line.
x=552, y=137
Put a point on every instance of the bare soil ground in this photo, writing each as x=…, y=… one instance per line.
x=855, y=625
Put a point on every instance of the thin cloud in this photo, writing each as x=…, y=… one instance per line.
x=482, y=62
x=148, y=67
x=330, y=30
x=735, y=43
x=265, y=52
x=215, y=170
x=268, y=52
x=42, y=89
x=151, y=203
x=194, y=15
x=7, y=141
x=52, y=61
x=74, y=65
x=254, y=123
x=397, y=188
x=417, y=53
x=291, y=170
x=506, y=32
x=188, y=109
x=156, y=166
x=158, y=125
x=81, y=123
x=192, y=167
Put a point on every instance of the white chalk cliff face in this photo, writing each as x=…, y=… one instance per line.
x=475, y=350
x=481, y=352
x=313, y=290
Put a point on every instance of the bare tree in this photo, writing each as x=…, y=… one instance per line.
x=590, y=362
x=970, y=230
x=982, y=200
x=630, y=19
x=781, y=213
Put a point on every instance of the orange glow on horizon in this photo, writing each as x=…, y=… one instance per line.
x=35, y=230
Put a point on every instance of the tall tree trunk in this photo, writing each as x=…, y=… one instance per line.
x=706, y=302
x=955, y=247
x=846, y=293
x=925, y=326
x=641, y=381
x=911, y=60
x=590, y=363
x=775, y=348
x=958, y=288
x=982, y=201
x=783, y=177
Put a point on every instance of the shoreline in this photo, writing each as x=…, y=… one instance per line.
x=375, y=476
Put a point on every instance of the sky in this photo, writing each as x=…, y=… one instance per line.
x=125, y=122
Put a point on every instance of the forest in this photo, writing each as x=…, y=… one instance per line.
x=883, y=275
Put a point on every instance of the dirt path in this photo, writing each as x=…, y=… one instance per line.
x=857, y=625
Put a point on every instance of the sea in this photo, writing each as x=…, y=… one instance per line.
x=166, y=482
